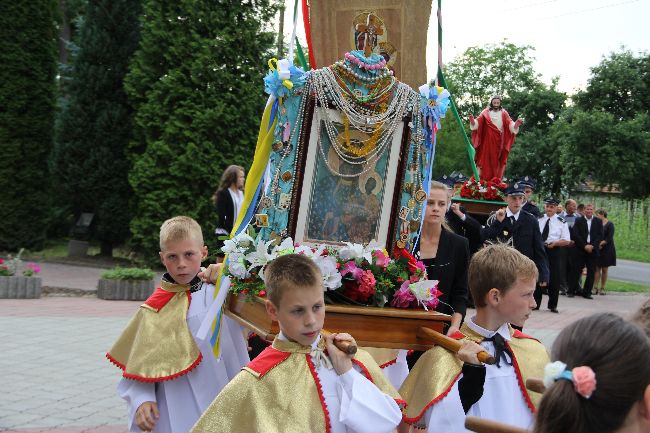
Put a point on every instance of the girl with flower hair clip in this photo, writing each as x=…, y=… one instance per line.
x=600, y=381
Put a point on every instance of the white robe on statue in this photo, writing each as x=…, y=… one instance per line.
x=502, y=400
x=181, y=401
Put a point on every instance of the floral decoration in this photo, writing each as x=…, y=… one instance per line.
x=354, y=273
x=283, y=77
x=483, y=190
x=12, y=266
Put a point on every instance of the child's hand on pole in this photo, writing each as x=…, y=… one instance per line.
x=341, y=361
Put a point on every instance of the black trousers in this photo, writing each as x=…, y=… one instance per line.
x=574, y=270
x=584, y=259
x=557, y=267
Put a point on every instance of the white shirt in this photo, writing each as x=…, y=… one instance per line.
x=237, y=200
x=502, y=399
x=509, y=214
x=589, y=228
x=497, y=118
x=557, y=230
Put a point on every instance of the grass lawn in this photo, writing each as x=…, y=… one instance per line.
x=624, y=286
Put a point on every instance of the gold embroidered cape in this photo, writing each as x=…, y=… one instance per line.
x=437, y=370
x=157, y=344
x=278, y=392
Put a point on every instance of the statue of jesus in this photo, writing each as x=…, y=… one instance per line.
x=493, y=134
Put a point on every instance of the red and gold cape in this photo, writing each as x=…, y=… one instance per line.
x=157, y=344
x=280, y=391
x=438, y=369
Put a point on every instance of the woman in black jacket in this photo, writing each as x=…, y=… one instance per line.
x=446, y=257
x=227, y=201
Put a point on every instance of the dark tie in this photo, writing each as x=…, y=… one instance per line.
x=546, y=228
x=512, y=220
x=500, y=349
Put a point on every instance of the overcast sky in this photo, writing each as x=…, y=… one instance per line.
x=569, y=36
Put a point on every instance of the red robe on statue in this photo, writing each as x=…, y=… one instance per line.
x=492, y=145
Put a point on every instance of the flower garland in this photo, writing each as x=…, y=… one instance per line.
x=362, y=274
x=483, y=190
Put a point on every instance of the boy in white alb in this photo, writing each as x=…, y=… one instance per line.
x=170, y=376
x=303, y=382
x=444, y=387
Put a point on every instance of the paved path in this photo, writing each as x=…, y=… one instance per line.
x=54, y=377
x=627, y=270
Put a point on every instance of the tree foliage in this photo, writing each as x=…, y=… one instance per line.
x=89, y=160
x=481, y=72
x=27, y=95
x=619, y=84
x=196, y=85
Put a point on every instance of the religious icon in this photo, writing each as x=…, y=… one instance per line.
x=261, y=220
x=404, y=213
x=285, y=201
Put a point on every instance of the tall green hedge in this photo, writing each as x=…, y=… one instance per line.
x=27, y=99
x=196, y=82
x=90, y=158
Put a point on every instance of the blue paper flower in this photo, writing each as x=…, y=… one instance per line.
x=282, y=78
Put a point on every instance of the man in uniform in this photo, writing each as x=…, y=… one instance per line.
x=529, y=185
x=556, y=237
x=523, y=228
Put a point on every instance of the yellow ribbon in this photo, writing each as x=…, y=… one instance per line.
x=282, y=68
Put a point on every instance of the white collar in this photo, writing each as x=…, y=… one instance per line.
x=509, y=213
x=503, y=330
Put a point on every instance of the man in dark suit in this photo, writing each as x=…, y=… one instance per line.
x=523, y=228
x=587, y=233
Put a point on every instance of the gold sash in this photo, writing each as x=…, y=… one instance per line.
x=157, y=345
x=436, y=371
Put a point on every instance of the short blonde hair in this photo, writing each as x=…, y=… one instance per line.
x=290, y=272
x=497, y=266
x=180, y=228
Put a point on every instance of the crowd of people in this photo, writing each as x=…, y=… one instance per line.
x=565, y=242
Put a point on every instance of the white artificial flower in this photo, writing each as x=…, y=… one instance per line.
x=422, y=290
x=237, y=266
x=552, y=371
x=244, y=240
x=286, y=247
x=351, y=251
x=331, y=275
x=261, y=256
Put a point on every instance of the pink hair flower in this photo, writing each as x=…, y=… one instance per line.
x=584, y=381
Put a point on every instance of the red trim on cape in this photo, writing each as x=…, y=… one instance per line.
x=520, y=381
x=363, y=368
x=159, y=298
x=457, y=335
x=267, y=360
x=432, y=402
x=389, y=363
x=321, y=397
x=519, y=334
x=155, y=379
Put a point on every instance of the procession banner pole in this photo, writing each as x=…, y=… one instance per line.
x=442, y=83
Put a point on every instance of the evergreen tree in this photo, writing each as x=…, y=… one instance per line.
x=196, y=82
x=27, y=98
x=90, y=162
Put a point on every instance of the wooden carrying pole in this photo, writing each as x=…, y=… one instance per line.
x=451, y=344
x=344, y=346
x=480, y=425
x=535, y=385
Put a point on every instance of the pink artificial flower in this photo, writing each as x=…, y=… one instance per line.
x=380, y=258
x=1, y=261
x=34, y=267
x=584, y=381
x=367, y=282
x=403, y=297
x=435, y=300
x=351, y=268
